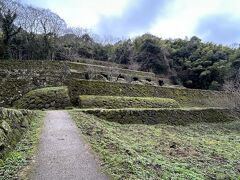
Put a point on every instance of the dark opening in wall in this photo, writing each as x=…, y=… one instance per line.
x=135, y=79
x=104, y=75
x=2, y=147
x=121, y=76
x=148, y=80
x=160, y=82
x=87, y=77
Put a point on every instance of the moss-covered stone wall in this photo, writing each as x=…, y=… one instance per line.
x=13, y=123
x=55, y=73
x=112, y=74
x=13, y=89
x=98, y=62
x=186, y=97
x=41, y=73
x=117, y=102
x=166, y=116
x=45, y=98
x=82, y=67
x=19, y=77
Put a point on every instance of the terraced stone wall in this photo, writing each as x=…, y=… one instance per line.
x=19, y=77
x=186, y=97
x=165, y=116
x=13, y=89
x=13, y=124
x=117, y=102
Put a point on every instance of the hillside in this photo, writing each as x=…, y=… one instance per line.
x=139, y=126
x=189, y=62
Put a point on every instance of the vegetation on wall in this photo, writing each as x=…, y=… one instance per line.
x=117, y=102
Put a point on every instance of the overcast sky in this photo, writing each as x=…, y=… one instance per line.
x=211, y=20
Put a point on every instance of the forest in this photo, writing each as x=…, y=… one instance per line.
x=31, y=33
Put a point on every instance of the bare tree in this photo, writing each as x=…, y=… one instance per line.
x=233, y=89
x=6, y=5
x=91, y=72
x=77, y=31
x=52, y=26
x=134, y=65
x=50, y=23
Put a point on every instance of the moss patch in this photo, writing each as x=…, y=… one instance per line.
x=186, y=97
x=117, y=102
x=45, y=98
x=196, y=151
x=15, y=164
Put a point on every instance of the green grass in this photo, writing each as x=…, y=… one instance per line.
x=196, y=151
x=116, y=102
x=15, y=164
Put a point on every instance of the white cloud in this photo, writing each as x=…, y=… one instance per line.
x=183, y=16
x=83, y=13
x=179, y=18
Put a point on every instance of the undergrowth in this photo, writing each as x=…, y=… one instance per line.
x=195, y=151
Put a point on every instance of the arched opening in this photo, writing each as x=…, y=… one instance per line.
x=104, y=75
x=121, y=76
x=160, y=82
x=87, y=77
x=135, y=79
x=148, y=80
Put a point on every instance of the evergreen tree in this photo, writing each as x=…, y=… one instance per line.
x=9, y=30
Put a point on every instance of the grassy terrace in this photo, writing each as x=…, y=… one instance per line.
x=137, y=151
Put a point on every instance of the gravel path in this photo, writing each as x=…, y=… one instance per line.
x=63, y=153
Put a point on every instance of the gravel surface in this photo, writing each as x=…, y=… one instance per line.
x=63, y=154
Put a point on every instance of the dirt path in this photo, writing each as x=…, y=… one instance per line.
x=63, y=153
